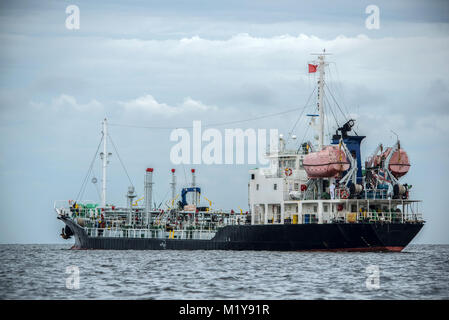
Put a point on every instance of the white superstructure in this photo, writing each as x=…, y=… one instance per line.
x=284, y=193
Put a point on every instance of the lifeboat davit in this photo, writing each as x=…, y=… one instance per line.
x=326, y=163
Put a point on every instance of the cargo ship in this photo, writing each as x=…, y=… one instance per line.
x=314, y=197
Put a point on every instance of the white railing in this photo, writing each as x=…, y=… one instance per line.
x=67, y=204
x=200, y=234
x=340, y=194
x=397, y=217
x=64, y=207
x=376, y=194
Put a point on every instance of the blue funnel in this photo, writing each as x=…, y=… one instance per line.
x=353, y=144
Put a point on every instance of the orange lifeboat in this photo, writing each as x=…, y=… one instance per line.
x=399, y=162
x=326, y=163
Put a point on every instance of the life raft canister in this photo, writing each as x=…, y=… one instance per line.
x=288, y=172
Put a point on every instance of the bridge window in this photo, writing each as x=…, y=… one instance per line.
x=257, y=186
x=275, y=186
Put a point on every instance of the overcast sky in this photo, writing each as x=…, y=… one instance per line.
x=167, y=63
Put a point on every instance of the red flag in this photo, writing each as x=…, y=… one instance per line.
x=312, y=68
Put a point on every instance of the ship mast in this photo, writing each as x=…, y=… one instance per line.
x=321, y=65
x=104, y=156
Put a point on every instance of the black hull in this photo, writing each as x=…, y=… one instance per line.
x=287, y=237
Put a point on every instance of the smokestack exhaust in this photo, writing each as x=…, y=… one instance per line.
x=148, y=189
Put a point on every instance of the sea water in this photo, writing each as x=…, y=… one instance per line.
x=56, y=272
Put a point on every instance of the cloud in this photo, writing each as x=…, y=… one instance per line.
x=147, y=104
x=66, y=102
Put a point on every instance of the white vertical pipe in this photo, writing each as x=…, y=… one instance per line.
x=320, y=101
x=105, y=161
x=148, y=190
x=130, y=197
x=173, y=185
x=194, y=195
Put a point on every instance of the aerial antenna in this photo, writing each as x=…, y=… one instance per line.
x=397, y=136
x=321, y=53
